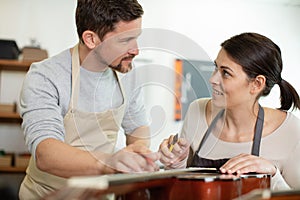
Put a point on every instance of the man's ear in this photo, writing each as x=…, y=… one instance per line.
x=90, y=39
x=258, y=84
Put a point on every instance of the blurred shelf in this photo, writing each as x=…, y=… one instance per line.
x=14, y=65
x=12, y=169
x=10, y=117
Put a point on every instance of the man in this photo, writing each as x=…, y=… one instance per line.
x=73, y=104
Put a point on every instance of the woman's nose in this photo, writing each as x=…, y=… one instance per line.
x=215, y=78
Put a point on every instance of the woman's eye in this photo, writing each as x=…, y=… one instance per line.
x=225, y=73
x=216, y=68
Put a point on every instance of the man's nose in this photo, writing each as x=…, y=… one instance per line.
x=134, y=49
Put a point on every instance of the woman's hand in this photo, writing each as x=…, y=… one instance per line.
x=172, y=157
x=245, y=163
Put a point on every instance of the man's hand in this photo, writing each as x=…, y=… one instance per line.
x=134, y=158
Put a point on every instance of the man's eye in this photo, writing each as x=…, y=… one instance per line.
x=127, y=40
x=124, y=41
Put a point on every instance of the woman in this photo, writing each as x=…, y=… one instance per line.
x=231, y=131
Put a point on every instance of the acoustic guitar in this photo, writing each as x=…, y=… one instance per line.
x=177, y=184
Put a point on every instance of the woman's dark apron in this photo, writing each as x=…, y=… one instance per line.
x=198, y=161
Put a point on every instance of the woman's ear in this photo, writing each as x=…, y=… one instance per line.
x=90, y=39
x=258, y=84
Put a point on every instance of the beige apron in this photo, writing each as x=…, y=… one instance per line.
x=85, y=130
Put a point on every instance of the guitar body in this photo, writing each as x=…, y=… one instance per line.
x=219, y=187
x=184, y=184
x=198, y=185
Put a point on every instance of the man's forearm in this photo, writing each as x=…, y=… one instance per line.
x=60, y=159
x=140, y=135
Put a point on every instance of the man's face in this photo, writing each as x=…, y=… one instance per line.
x=120, y=46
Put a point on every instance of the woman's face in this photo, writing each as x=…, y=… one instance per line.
x=230, y=84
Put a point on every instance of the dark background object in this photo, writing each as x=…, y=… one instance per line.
x=8, y=191
x=195, y=82
x=9, y=49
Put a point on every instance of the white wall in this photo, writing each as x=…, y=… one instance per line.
x=206, y=22
x=51, y=23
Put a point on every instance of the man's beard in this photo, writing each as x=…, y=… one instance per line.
x=120, y=67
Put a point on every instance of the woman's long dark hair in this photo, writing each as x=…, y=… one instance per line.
x=258, y=55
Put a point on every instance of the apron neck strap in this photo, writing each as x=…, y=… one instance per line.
x=257, y=135
x=258, y=131
x=75, y=76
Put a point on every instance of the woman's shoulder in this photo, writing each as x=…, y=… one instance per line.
x=199, y=105
x=205, y=107
x=198, y=109
x=277, y=119
x=292, y=121
x=274, y=113
x=202, y=102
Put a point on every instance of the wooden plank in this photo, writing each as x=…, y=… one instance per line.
x=10, y=117
x=14, y=65
x=13, y=169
